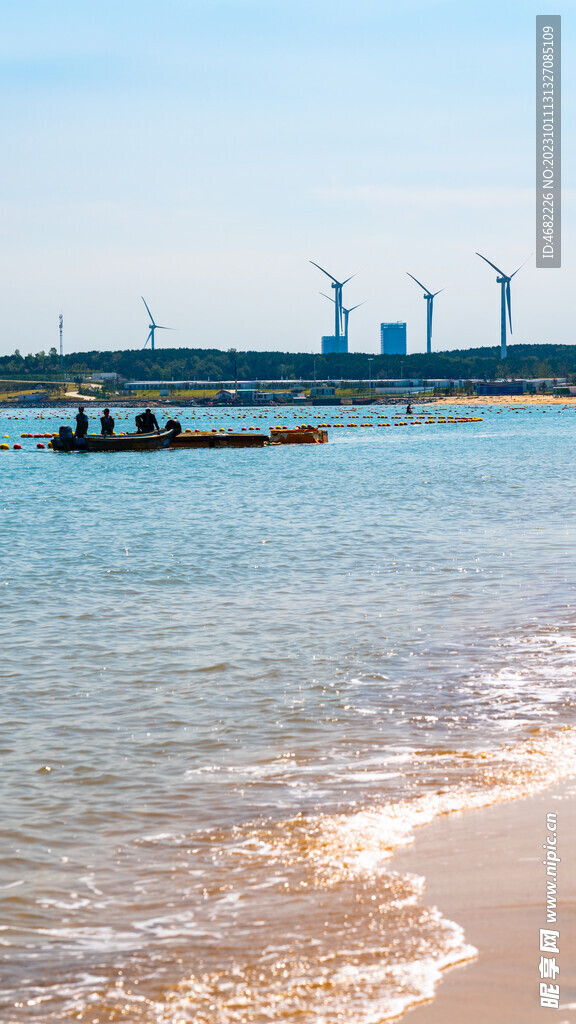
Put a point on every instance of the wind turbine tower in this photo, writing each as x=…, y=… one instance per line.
x=429, y=296
x=153, y=326
x=338, y=308
x=504, y=281
x=346, y=313
x=61, y=325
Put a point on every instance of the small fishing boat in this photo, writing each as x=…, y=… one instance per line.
x=66, y=441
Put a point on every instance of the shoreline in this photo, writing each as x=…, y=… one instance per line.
x=478, y=400
x=484, y=871
x=474, y=401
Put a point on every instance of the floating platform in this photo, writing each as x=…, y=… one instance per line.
x=249, y=439
x=216, y=439
x=298, y=435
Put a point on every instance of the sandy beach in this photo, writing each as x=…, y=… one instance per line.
x=484, y=870
x=518, y=400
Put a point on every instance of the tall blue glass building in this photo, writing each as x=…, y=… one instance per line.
x=330, y=343
x=393, y=339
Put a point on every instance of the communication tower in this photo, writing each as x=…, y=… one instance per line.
x=61, y=324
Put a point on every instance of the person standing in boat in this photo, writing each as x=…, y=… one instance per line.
x=107, y=422
x=81, y=422
x=148, y=422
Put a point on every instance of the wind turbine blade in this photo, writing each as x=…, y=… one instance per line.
x=417, y=281
x=493, y=265
x=327, y=296
x=356, y=307
x=159, y=328
x=508, y=303
x=437, y=293
x=324, y=271
x=522, y=265
x=348, y=279
x=146, y=304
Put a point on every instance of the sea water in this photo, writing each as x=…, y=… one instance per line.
x=235, y=681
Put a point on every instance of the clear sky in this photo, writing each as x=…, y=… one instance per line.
x=201, y=152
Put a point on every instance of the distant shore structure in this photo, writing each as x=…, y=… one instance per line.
x=61, y=327
x=153, y=326
x=393, y=339
x=346, y=313
x=429, y=296
x=505, y=303
x=339, y=340
x=331, y=343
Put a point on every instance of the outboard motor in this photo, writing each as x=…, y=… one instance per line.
x=67, y=440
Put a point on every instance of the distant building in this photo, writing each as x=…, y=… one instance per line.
x=505, y=387
x=393, y=339
x=330, y=343
x=534, y=384
x=322, y=391
x=252, y=396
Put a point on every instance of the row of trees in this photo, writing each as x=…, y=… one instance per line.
x=216, y=365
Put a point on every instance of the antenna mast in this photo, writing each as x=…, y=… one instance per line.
x=61, y=324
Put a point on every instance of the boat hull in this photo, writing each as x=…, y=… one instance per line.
x=113, y=442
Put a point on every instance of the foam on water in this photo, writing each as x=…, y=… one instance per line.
x=357, y=938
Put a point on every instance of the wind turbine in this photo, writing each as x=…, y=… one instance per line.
x=504, y=281
x=346, y=313
x=429, y=296
x=153, y=326
x=337, y=286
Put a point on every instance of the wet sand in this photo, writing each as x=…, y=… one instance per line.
x=484, y=870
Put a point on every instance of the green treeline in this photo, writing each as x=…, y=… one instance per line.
x=216, y=365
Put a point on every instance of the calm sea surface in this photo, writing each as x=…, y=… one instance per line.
x=235, y=681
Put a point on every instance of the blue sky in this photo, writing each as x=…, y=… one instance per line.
x=201, y=153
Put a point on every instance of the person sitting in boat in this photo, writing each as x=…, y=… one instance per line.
x=81, y=422
x=148, y=422
x=107, y=422
x=409, y=409
x=173, y=425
